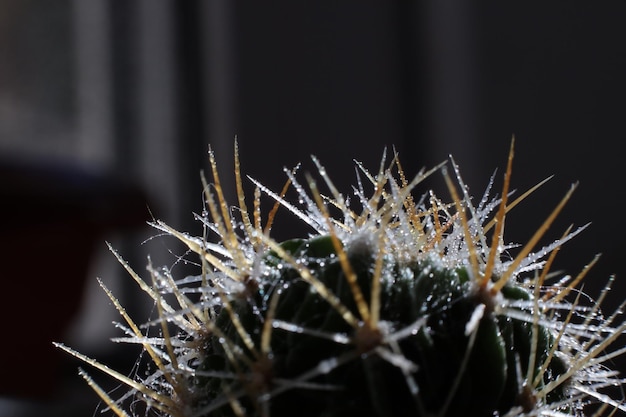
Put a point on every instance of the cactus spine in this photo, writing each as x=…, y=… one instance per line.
x=400, y=308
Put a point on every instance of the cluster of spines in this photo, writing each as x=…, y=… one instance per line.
x=399, y=227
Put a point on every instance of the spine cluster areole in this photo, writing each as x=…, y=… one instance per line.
x=392, y=305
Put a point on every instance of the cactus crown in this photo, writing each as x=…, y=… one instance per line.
x=402, y=307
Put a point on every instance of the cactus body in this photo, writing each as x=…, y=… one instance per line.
x=457, y=373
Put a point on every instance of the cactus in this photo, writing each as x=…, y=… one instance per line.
x=403, y=307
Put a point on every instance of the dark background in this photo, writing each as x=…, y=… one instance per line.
x=134, y=92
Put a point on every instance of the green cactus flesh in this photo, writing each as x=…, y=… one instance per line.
x=456, y=372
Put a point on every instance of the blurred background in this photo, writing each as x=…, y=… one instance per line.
x=108, y=108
